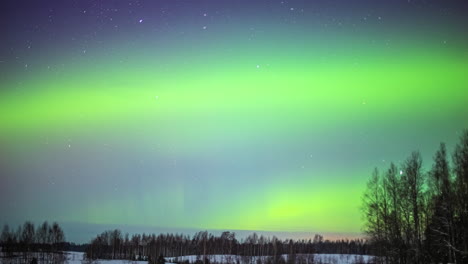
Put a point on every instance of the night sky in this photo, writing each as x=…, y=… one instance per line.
x=220, y=114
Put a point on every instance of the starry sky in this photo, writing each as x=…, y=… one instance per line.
x=220, y=114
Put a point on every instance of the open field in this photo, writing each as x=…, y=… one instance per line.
x=78, y=258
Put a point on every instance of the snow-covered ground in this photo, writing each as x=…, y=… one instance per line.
x=71, y=257
x=74, y=257
x=318, y=258
x=78, y=258
x=342, y=259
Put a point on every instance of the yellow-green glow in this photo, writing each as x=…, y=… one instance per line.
x=242, y=125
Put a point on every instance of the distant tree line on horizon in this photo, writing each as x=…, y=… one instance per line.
x=28, y=244
x=417, y=216
x=113, y=245
x=46, y=243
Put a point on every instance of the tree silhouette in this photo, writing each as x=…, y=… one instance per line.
x=414, y=216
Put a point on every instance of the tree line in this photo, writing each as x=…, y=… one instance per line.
x=114, y=245
x=418, y=216
x=28, y=244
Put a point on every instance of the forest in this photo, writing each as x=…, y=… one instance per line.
x=28, y=244
x=46, y=244
x=113, y=245
x=418, y=216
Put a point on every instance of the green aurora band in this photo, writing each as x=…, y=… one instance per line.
x=279, y=133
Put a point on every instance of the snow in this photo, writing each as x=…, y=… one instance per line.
x=342, y=258
x=318, y=258
x=74, y=257
x=78, y=258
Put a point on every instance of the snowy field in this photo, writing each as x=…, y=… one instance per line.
x=318, y=259
x=77, y=258
x=72, y=258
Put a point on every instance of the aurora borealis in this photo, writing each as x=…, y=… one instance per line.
x=230, y=115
